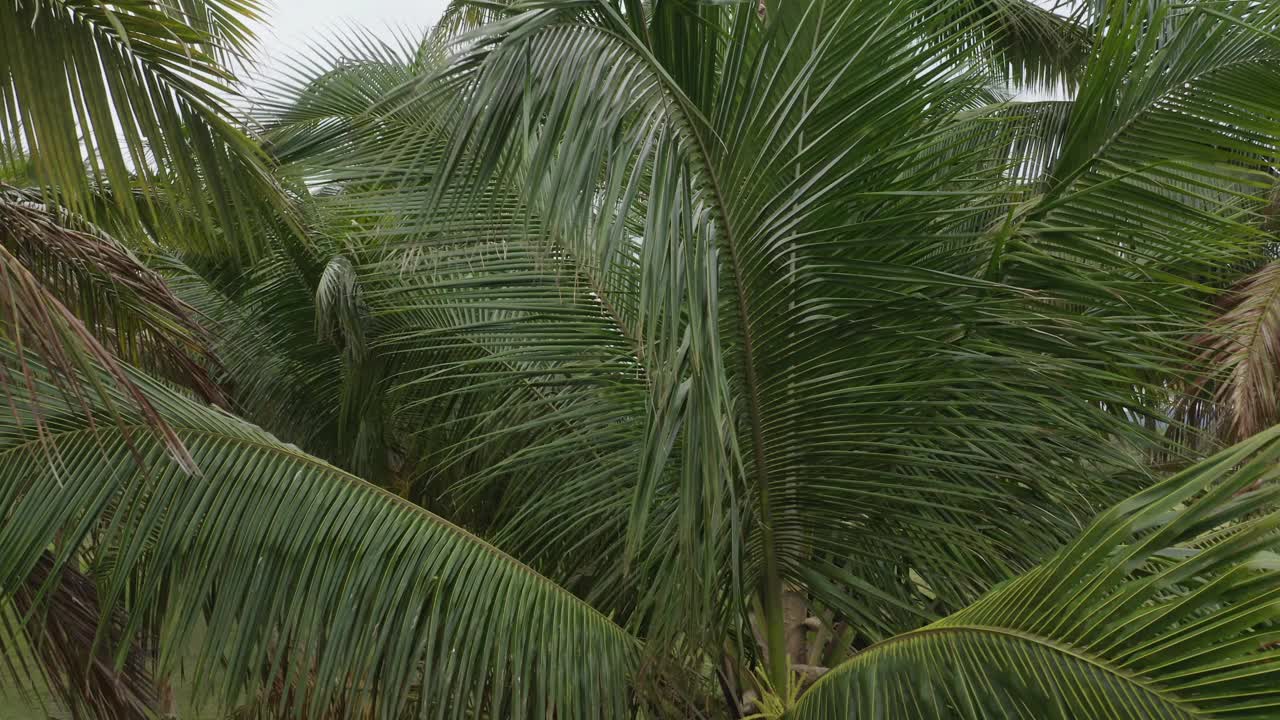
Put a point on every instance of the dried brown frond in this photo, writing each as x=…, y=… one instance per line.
x=1240, y=357
x=126, y=304
x=62, y=622
x=36, y=320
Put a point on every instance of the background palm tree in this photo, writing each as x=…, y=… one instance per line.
x=736, y=337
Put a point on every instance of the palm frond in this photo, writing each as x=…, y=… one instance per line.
x=1031, y=46
x=119, y=94
x=580, y=197
x=121, y=301
x=352, y=600
x=36, y=319
x=803, y=312
x=1239, y=356
x=56, y=632
x=1140, y=617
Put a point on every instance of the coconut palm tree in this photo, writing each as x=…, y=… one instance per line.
x=707, y=359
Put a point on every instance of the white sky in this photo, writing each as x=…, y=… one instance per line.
x=293, y=24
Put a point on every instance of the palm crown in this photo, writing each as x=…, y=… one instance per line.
x=761, y=350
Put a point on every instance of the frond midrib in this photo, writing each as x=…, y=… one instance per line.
x=283, y=450
x=1100, y=663
x=1147, y=109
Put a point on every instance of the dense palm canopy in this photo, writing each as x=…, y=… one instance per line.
x=601, y=359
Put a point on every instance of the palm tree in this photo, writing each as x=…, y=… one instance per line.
x=113, y=125
x=710, y=357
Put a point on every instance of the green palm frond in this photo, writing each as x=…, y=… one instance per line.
x=1138, y=618
x=686, y=298
x=304, y=577
x=121, y=94
x=690, y=304
x=276, y=371
x=337, y=83
x=1031, y=45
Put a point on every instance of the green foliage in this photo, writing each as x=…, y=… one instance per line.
x=735, y=335
x=133, y=93
x=320, y=593
x=1164, y=607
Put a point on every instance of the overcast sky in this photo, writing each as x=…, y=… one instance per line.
x=292, y=24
